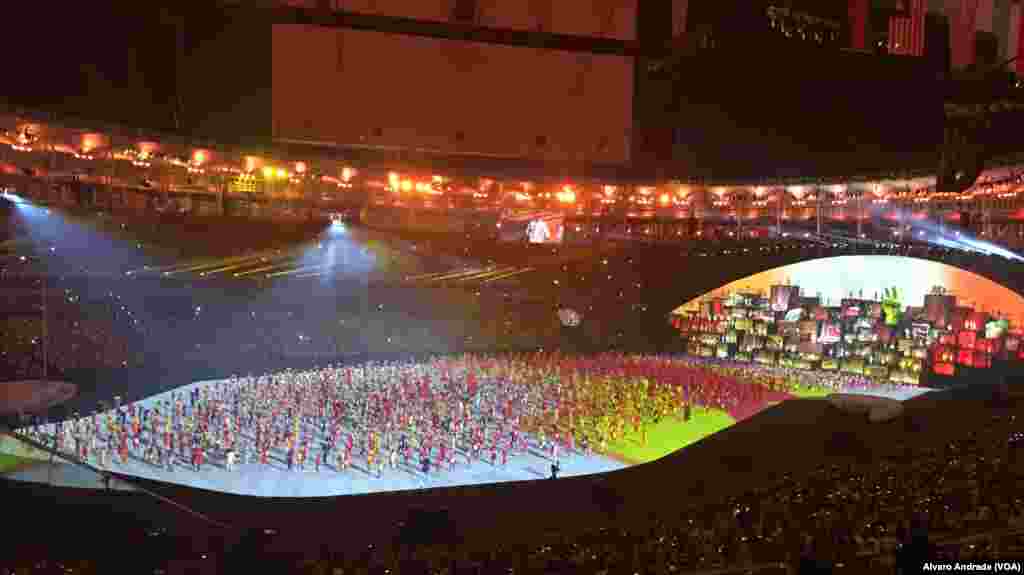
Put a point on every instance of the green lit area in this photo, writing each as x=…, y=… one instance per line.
x=669, y=435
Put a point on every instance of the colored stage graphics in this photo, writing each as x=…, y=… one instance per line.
x=275, y=479
x=884, y=317
x=457, y=420
x=591, y=414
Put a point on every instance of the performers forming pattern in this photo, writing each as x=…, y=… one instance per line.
x=432, y=415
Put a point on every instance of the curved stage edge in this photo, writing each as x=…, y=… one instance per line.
x=277, y=482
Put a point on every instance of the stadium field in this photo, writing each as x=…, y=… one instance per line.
x=669, y=435
x=9, y=463
x=811, y=392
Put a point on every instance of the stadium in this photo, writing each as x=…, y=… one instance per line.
x=414, y=348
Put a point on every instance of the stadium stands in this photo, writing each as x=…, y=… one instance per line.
x=846, y=497
x=740, y=500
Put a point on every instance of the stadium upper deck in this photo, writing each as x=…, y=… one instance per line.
x=203, y=177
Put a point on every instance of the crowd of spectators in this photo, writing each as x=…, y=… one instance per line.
x=956, y=491
x=858, y=515
x=74, y=342
x=854, y=517
x=195, y=321
x=128, y=324
x=957, y=500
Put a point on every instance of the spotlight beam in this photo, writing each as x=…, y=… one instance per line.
x=507, y=275
x=301, y=270
x=463, y=273
x=226, y=268
x=425, y=276
x=206, y=264
x=258, y=270
x=484, y=274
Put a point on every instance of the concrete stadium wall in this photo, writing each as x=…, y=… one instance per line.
x=368, y=88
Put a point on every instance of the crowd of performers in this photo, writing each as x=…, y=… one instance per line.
x=430, y=416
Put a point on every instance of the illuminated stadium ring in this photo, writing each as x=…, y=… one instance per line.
x=569, y=317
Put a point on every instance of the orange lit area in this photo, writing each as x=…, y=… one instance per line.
x=272, y=173
x=25, y=137
x=608, y=194
x=198, y=161
x=911, y=202
x=90, y=144
x=409, y=185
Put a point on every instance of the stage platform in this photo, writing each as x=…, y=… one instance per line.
x=897, y=392
x=277, y=481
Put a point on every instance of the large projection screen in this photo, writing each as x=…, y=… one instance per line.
x=351, y=87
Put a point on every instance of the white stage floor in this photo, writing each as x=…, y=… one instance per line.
x=897, y=392
x=277, y=481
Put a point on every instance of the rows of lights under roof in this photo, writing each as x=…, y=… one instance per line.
x=669, y=196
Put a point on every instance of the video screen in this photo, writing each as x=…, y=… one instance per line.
x=781, y=296
x=794, y=315
x=545, y=231
x=897, y=338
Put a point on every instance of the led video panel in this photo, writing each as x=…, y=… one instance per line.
x=884, y=317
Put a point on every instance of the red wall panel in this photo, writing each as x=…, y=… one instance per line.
x=342, y=86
